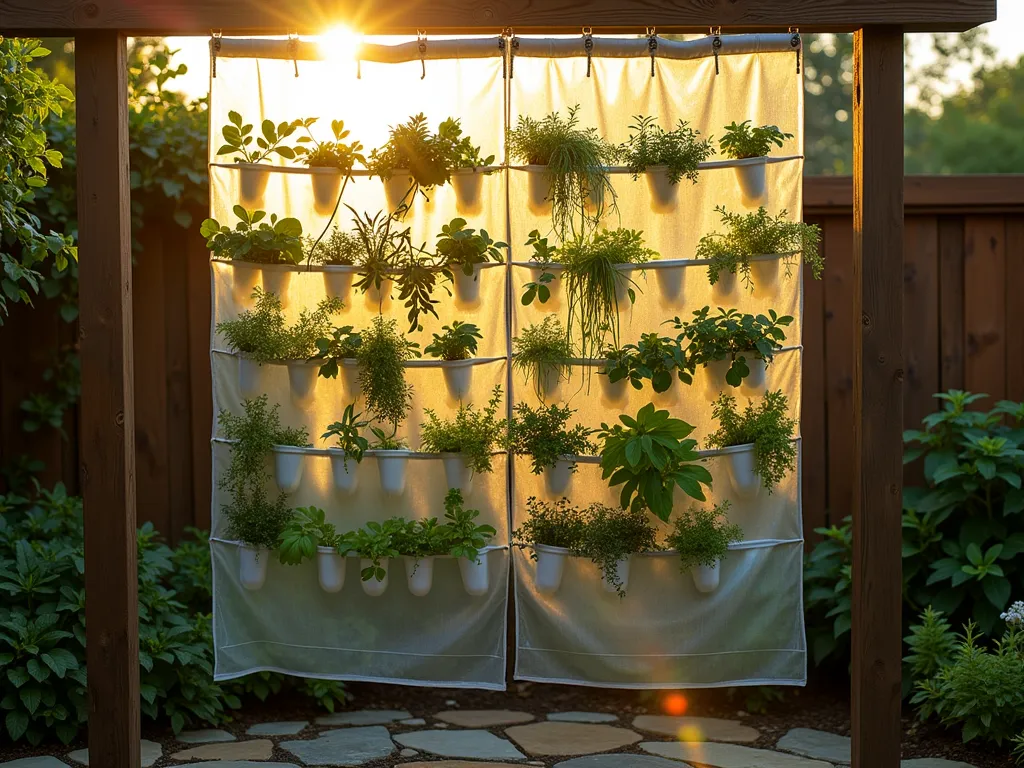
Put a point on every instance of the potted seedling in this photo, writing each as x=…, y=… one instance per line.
x=257, y=247
x=418, y=542
x=734, y=348
x=701, y=538
x=338, y=256
x=758, y=443
x=308, y=533
x=653, y=358
x=544, y=268
x=551, y=532
x=649, y=455
x=566, y=167
x=463, y=252
x=413, y=159
x=238, y=140
x=329, y=162
x=664, y=157
x=749, y=146
x=553, y=447
x=543, y=353
x=347, y=454
x=465, y=442
x=466, y=539
x=466, y=173
x=374, y=543
x=392, y=456
x=339, y=353
x=455, y=346
x=611, y=537
x=752, y=248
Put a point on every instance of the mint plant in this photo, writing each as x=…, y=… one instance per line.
x=462, y=248
x=741, y=140
x=465, y=537
x=457, y=341
x=278, y=241
x=238, y=139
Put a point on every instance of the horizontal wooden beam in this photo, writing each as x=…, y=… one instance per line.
x=198, y=17
x=825, y=195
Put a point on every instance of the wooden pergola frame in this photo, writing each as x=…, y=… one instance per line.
x=100, y=29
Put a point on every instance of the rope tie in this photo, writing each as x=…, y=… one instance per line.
x=716, y=45
x=795, y=44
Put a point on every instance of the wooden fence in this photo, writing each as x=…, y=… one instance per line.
x=963, y=326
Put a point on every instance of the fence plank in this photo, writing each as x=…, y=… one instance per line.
x=199, y=318
x=812, y=408
x=951, y=302
x=985, y=306
x=1014, y=309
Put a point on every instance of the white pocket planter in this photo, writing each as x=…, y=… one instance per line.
x=705, y=577
x=397, y=189
x=244, y=275
x=663, y=192
x=613, y=392
x=623, y=282
x=751, y=177
x=248, y=377
x=458, y=377
x=288, y=462
x=547, y=383
x=467, y=287
x=344, y=471
x=621, y=572
x=714, y=378
x=756, y=381
x=252, y=182
x=379, y=298
x=742, y=473
x=338, y=281
x=252, y=566
x=456, y=472
x=330, y=569
x=765, y=274
x=550, y=567
x=302, y=376
x=475, y=574
x=326, y=185
x=724, y=288
x=671, y=281
x=349, y=373
x=373, y=587
x=419, y=573
x=539, y=187
x=467, y=183
x=276, y=279
x=391, y=467
x=558, y=477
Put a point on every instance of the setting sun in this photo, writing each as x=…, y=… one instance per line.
x=339, y=43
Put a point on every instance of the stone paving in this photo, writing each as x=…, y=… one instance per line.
x=457, y=738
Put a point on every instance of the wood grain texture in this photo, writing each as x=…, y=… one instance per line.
x=812, y=408
x=198, y=17
x=829, y=195
x=985, y=308
x=108, y=409
x=951, y=301
x=878, y=395
x=920, y=318
x=1014, y=309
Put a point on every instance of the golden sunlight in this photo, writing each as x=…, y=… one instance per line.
x=339, y=43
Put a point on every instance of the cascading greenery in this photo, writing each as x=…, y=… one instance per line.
x=765, y=424
x=382, y=355
x=542, y=350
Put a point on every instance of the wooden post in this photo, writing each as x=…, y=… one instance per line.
x=107, y=414
x=878, y=394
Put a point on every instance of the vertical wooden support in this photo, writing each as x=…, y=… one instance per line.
x=107, y=413
x=878, y=394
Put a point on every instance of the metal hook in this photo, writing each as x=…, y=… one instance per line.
x=512, y=57
x=215, y=34
x=796, y=44
x=716, y=45
x=652, y=45
x=588, y=45
x=293, y=48
x=421, y=38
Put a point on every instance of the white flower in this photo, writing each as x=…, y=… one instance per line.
x=1015, y=615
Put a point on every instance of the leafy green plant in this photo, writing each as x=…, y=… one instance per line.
x=702, y=536
x=238, y=138
x=680, y=150
x=340, y=249
x=766, y=425
x=542, y=434
x=653, y=357
x=348, y=434
x=332, y=351
x=385, y=442
x=374, y=542
x=463, y=153
x=611, y=534
x=742, y=140
x=543, y=255
x=278, y=241
x=542, y=350
x=307, y=530
x=463, y=249
x=382, y=355
x=574, y=160
x=759, y=234
x=261, y=334
x=329, y=154
x=649, y=456
x=730, y=335
x=465, y=537
x=472, y=433
x=458, y=341
x=428, y=157
x=422, y=538
x=554, y=524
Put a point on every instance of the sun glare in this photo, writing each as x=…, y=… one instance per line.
x=339, y=43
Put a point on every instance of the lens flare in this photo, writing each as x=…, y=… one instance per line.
x=674, y=704
x=339, y=43
x=690, y=733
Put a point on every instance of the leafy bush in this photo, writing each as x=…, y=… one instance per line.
x=472, y=433
x=653, y=357
x=555, y=524
x=457, y=342
x=543, y=435
x=828, y=576
x=465, y=537
x=766, y=425
x=702, y=536
x=260, y=333
x=611, y=534
x=741, y=140
x=340, y=248
x=382, y=355
x=428, y=157
x=278, y=241
x=374, y=542
x=542, y=350
x=463, y=248
x=329, y=154
x=347, y=432
x=238, y=139
x=758, y=234
x=681, y=150
x=422, y=538
x=332, y=351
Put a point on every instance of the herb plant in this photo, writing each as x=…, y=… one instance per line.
x=457, y=342
x=543, y=254
x=463, y=249
x=260, y=333
x=278, y=241
x=385, y=442
x=348, y=434
x=332, y=351
x=543, y=435
x=329, y=154
x=730, y=335
x=463, y=153
x=680, y=150
x=421, y=538
x=428, y=157
x=702, y=536
x=655, y=358
x=649, y=456
x=611, y=534
x=741, y=140
x=375, y=542
x=553, y=524
x=471, y=433
x=757, y=234
x=465, y=537
x=766, y=425
x=542, y=350
x=575, y=160
x=238, y=138
x=340, y=249
x=307, y=530
x=382, y=355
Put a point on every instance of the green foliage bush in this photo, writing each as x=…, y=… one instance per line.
x=541, y=350
x=611, y=534
x=543, y=434
x=472, y=433
x=765, y=424
x=702, y=536
x=680, y=150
